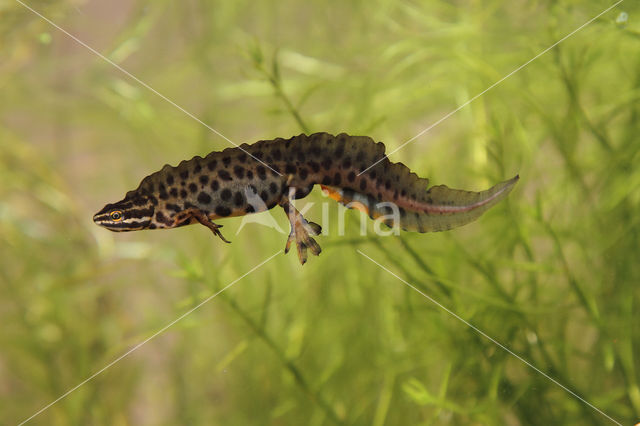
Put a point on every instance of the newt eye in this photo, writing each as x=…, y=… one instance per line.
x=116, y=216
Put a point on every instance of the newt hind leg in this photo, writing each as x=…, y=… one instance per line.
x=301, y=232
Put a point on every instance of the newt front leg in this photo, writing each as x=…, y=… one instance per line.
x=204, y=220
x=301, y=232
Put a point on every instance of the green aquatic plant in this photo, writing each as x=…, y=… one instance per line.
x=551, y=273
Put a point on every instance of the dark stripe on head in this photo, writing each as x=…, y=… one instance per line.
x=138, y=213
x=127, y=226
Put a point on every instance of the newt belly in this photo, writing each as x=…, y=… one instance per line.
x=253, y=178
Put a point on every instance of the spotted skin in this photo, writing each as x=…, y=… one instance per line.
x=260, y=176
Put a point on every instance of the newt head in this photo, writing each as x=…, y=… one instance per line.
x=133, y=213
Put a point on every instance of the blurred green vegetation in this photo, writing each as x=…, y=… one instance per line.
x=553, y=273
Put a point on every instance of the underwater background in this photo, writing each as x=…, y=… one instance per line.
x=378, y=330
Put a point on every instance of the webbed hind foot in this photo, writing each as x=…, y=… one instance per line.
x=301, y=232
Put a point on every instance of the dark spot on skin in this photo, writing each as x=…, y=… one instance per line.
x=176, y=208
x=302, y=192
x=387, y=184
x=290, y=169
x=153, y=200
x=164, y=196
x=225, y=195
x=395, y=194
x=238, y=199
x=272, y=204
x=403, y=212
x=214, y=185
x=183, y=193
x=242, y=157
x=226, y=161
x=337, y=178
x=223, y=211
x=264, y=196
x=363, y=185
x=170, y=180
x=403, y=192
x=204, y=198
x=303, y=173
x=326, y=180
x=326, y=163
x=351, y=176
x=300, y=156
x=224, y=175
x=249, y=174
x=253, y=189
x=160, y=217
x=262, y=172
x=204, y=179
x=372, y=173
x=193, y=188
x=184, y=174
x=212, y=165
x=249, y=209
x=197, y=168
x=174, y=192
x=238, y=171
x=346, y=163
x=188, y=205
x=339, y=151
x=183, y=183
x=258, y=155
x=273, y=187
x=360, y=156
x=152, y=226
x=277, y=155
x=314, y=166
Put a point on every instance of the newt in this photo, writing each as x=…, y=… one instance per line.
x=255, y=177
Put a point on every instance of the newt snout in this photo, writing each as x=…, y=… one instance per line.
x=133, y=213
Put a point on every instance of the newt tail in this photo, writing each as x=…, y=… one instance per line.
x=257, y=177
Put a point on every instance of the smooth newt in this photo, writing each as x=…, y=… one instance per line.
x=253, y=178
